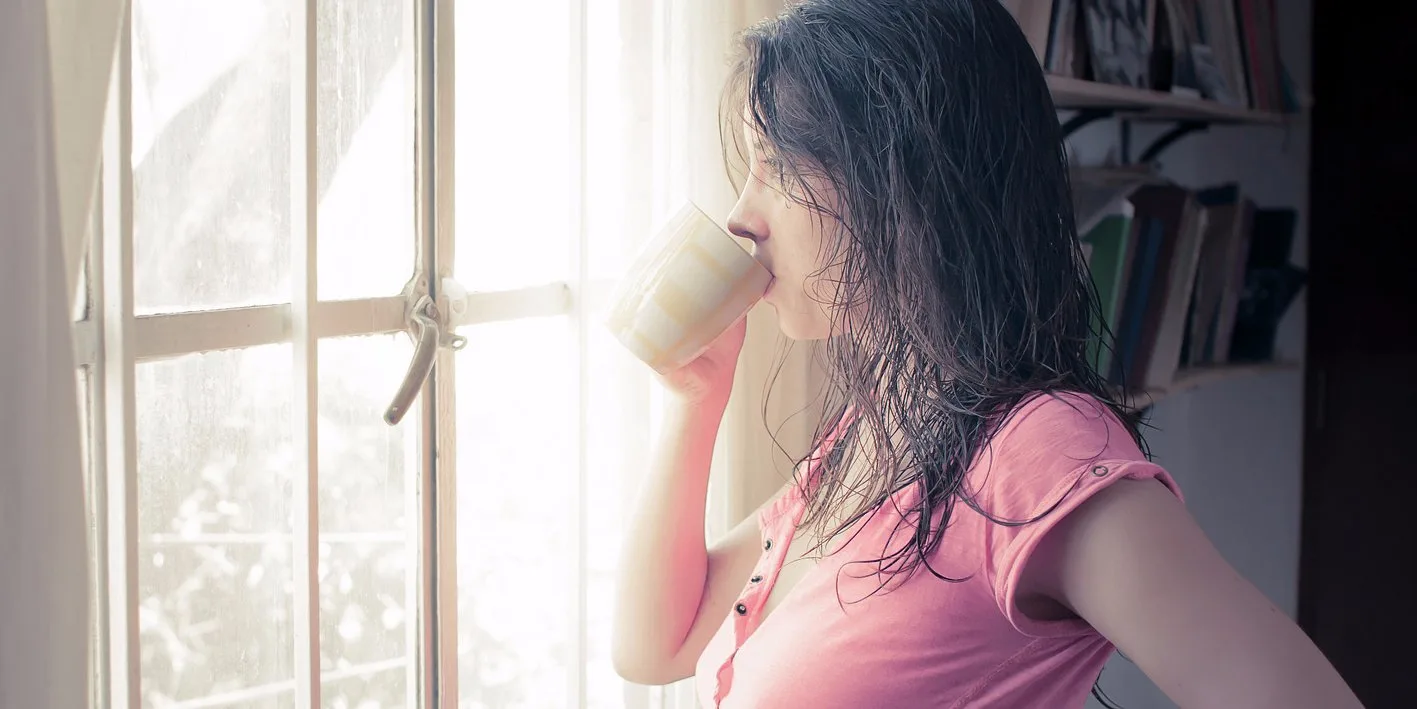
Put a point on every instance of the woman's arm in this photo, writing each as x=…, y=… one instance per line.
x=673, y=591
x=1134, y=564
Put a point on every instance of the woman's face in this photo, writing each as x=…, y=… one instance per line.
x=793, y=242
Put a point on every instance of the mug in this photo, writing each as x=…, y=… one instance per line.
x=691, y=281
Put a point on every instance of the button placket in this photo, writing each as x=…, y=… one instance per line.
x=751, y=602
x=743, y=610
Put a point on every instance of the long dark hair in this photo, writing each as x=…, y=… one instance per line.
x=962, y=287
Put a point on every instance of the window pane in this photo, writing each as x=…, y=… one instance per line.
x=513, y=161
x=367, y=559
x=364, y=690
x=214, y=549
x=365, y=133
x=516, y=523
x=211, y=153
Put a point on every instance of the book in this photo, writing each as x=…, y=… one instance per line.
x=1109, y=240
x=1034, y=17
x=1175, y=68
x=1067, y=43
x=1119, y=41
x=1149, y=232
x=1217, y=26
x=1217, y=346
x=1096, y=192
x=1221, y=204
x=1201, y=32
x=1166, y=322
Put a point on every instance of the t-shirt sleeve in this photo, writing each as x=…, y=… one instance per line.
x=1053, y=454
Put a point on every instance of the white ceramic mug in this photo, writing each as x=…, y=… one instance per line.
x=690, y=283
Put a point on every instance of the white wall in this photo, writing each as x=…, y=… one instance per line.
x=43, y=609
x=1235, y=447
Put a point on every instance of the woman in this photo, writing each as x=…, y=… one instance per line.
x=980, y=525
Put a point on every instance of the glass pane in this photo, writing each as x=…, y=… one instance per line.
x=367, y=557
x=365, y=133
x=211, y=153
x=214, y=550
x=515, y=505
x=366, y=466
x=274, y=697
x=513, y=161
x=364, y=690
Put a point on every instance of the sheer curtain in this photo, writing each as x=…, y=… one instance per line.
x=673, y=61
x=655, y=76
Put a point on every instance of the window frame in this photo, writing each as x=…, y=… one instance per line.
x=110, y=340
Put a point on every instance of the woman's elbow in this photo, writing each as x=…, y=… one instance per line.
x=635, y=665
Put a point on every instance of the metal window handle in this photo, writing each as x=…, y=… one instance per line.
x=429, y=337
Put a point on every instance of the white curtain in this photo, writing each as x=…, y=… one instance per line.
x=750, y=466
x=55, y=61
x=675, y=58
x=54, y=67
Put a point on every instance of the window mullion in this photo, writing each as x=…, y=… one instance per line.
x=115, y=401
x=437, y=529
x=304, y=213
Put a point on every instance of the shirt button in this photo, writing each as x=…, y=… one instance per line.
x=767, y=545
x=742, y=609
x=755, y=579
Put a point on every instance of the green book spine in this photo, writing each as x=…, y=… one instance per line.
x=1108, y=240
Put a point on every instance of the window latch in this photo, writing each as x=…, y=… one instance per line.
x=429, y=334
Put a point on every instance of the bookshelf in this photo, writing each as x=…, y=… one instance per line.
x=1196, y=377
x=1142, y=104
x=1172, y=264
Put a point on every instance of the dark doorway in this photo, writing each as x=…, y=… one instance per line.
x=1358, y=563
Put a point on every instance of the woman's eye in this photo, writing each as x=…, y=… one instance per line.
x=775, y=168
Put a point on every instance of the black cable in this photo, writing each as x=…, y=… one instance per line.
x=1101, y=696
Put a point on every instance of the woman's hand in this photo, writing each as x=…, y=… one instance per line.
x=709, y=377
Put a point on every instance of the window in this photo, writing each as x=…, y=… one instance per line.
x=283, y=181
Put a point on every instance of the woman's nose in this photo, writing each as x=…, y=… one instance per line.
x=743, y=222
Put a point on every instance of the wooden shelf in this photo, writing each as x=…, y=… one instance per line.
x=1195, y=377
x=1142, y=104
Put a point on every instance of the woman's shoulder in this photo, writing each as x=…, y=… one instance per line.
x=1061, y=418
x=1049, y=435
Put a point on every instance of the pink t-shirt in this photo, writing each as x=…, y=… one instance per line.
x=923, y=641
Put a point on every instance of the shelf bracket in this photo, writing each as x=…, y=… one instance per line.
x=1083, y=117
x=1164, y=141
